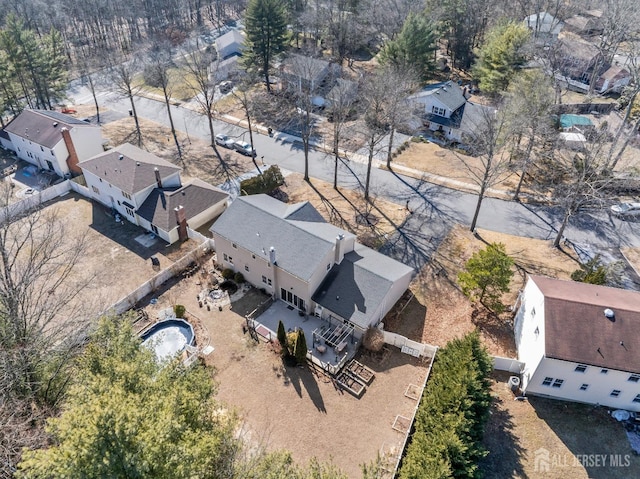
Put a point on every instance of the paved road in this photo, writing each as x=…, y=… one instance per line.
x=435, y=208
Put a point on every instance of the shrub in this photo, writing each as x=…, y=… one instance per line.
x=238, y=277
x=268, y=181
x=179, y=310
x=228, y=273
x=301, y=348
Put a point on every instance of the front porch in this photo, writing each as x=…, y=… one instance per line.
x=330, y=344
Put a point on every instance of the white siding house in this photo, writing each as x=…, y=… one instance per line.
x=147, y=191
x=291, y=252
x=577, y=342
x=53, y=141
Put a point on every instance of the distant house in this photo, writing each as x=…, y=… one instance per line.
x=304, y=73
x=578, y=342
x=231, y=43
x=582, y=62
x=221, y=70
x=52, y=141
x=147, y=191
x=586, y=24
x=613, y=80
x=297, y=257
x=444, y=108
x=544, y=27
x=343, y=92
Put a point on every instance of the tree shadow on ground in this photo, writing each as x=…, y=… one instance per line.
x=505, y=451
x=300, y=375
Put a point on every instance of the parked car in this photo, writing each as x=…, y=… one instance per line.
x=244, y=148
x=224, y=140
x=626, y=209
x=226, y=86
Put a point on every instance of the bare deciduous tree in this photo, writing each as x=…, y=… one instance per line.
x=122, y=73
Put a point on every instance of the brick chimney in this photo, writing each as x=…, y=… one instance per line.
x=181, y=220
x=72, y=159
x=158, y=179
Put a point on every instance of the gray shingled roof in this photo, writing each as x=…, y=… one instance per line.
x=355, y=288
x=577, y=330
x=43, y=127
x=259, y=222
x=131, y=173
x=229, y=38
x=305, y=67
x=448, y=93
x=195, y=197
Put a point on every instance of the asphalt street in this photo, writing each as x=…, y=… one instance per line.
x=435, y=208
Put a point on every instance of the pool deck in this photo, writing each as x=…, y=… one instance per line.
x=280, y=311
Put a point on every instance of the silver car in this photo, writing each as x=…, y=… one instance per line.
x=244, y=148
x=626, y=209
x=224, y=140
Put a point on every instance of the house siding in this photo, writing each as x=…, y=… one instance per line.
x=529, y=344
x=110, y=196
x=599, y=388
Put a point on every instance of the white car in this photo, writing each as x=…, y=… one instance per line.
x=244, y=148
x=626, y=209
x=224, y=140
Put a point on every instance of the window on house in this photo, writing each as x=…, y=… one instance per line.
x=95, y=190
x=246, y=268
x=584, y=387
x=547, y=381
x=536, y=331
x=225, y=257
x=580, y=368
x=637, y=398
x=130, y=212
x=253, y=256
x=52, y=153
x=264, y=279
x=230, y=260
x=634, y=378
x=438, y=111
x=328, y=266
x=269, y=281
x=557, y=383
x=234, y=245
x=154, y=228
x=533, y=312
x=615, y=393
x=126, y=195
x=604, y=371
x=41, y=148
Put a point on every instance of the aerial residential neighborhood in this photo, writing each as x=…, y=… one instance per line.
x=268, y=239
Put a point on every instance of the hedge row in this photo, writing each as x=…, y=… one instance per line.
x=446, y=442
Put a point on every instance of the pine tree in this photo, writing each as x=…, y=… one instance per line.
x=282, y=337
x=266, y=28
x=300, y=351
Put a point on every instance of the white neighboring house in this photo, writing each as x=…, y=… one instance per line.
x=544, y=27
x=579, y=341
x=147, y=191
x=297, y=257
x=231, y=43
x=53, y=141
x=444, y=108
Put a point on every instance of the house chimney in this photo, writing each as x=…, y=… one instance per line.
x=181, y=220
x=158, y=179
x=339, y=249
x=272, y=255
x=72, y=159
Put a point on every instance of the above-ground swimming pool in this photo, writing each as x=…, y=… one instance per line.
x=168, y=338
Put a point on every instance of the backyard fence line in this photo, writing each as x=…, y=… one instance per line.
x=507, y=364
x=199, y=237
x=408, y=346
x=130, y=300
x=81, y=189
x=35, y=200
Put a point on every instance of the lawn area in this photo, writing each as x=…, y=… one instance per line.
x=544, y=438
x=438, y=311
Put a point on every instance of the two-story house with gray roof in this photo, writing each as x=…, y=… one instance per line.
x=442, y=108
x=52, y=140
x=147, y=191
x=578, y=342
x=296, y=256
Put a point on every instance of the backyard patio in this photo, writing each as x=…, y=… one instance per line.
x=330, y=342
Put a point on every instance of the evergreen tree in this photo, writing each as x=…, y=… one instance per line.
x=129, y=416
x=282, y=337
x=266, y=28
x=500, y=56
x=300, y=351
x=414, y=48
x=487, y=275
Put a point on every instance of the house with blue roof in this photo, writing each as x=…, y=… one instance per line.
x=292, y=253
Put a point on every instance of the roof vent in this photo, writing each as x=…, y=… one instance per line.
x=55, y=123
x=121, y=157
x=609, y=314
x=137, y=163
